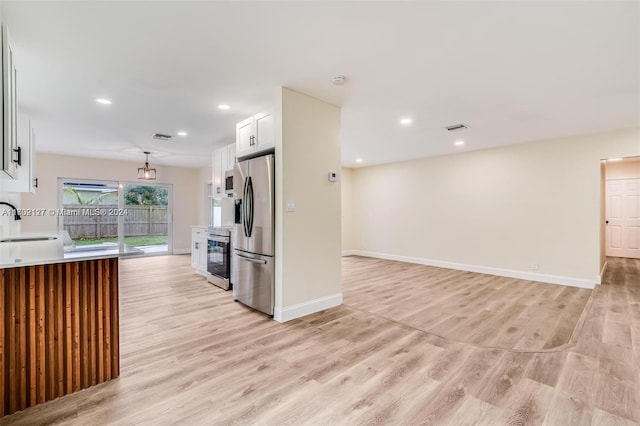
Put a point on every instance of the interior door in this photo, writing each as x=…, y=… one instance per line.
x=623, y=218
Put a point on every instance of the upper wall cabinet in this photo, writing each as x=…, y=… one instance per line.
x=24, y=179
x=18, y=136
x=255, y=134
x=11, y=152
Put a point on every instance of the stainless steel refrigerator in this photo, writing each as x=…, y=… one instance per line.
x=253, y=264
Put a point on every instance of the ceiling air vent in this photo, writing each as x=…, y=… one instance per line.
x=161, y=136
x=456, y=127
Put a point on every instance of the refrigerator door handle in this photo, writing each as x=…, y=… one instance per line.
x=248, y=259
x=250, y=207
x=244, y=208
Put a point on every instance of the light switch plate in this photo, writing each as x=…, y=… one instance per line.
x=291, y=206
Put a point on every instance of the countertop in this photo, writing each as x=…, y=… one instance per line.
x=27, y=253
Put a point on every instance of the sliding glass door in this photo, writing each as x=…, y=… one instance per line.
x=147, y=223
x=87, y=229
x=103, y=217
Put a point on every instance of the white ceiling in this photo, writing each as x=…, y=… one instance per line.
x=513, y=71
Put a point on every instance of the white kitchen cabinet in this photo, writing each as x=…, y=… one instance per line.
x=231, y=156
x=11, y=152
x=255, y=134
x=244, y=136
x=199, y=249
x=217, y=179
x=265, y=132
x=25, y=179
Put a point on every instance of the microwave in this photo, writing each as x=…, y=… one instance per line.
x=228, y=182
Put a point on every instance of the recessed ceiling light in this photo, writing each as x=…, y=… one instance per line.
x=406, y=121
x=359, y=160
x=103, y=101
x=224, y=107
x=182, y=133
x=614, y=159
x=459, y=143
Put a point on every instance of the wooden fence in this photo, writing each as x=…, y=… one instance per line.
x=83, y=221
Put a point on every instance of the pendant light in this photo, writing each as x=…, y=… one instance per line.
x=146, y=172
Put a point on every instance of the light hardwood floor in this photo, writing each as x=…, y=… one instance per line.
x=192, y=356
x=463, y=306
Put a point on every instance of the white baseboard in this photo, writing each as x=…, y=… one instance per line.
x=510, y=273
x=303, y=309
x=599, y=277
x=182, y=251
x=349, y=252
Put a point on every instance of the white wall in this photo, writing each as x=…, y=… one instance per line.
x=50, y=167
x=502, y=209
x=603, y=214
x=348, y=228
x=308, y=241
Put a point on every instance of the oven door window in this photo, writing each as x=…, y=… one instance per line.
x=218, y=258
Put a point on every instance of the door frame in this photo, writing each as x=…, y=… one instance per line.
x=624, y=249
x=604, y=163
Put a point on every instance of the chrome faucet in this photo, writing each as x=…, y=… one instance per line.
x=15, y=210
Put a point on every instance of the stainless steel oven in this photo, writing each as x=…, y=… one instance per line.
x=219, y=257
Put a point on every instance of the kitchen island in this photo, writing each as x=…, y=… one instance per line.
x=59, y=331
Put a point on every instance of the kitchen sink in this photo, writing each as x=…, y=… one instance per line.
x=25, y=239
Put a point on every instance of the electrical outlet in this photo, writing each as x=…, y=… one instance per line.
x=535, y=266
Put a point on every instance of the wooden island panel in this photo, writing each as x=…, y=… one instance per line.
x=59, y=330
